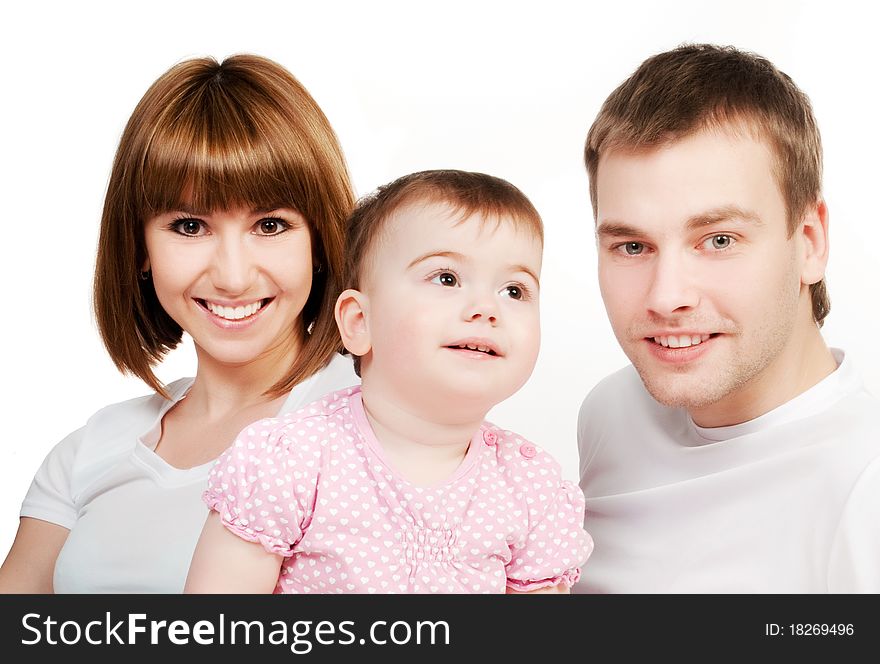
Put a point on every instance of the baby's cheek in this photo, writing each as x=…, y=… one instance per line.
x=397, y=341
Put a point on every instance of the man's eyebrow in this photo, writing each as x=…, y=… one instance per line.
x=610, y=228
x=725, y=213
x=722, y=214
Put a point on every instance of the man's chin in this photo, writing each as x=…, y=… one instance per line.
x=682, y=391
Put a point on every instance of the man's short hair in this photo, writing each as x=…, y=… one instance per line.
x=683, y=91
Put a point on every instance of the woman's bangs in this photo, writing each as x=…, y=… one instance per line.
x=215, y=165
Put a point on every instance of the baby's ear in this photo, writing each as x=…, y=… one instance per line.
x=351, y=319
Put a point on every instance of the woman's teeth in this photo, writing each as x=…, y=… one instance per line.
x=234, y=313
x=681, y=341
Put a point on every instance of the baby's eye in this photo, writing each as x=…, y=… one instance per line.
x=514, y=292
x=445, y=279
x=720, y=242
x=191, y=227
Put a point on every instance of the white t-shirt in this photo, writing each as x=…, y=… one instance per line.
x=134, y=520
x=786, y=503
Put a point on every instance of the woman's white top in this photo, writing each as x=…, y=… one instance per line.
x=134, y=520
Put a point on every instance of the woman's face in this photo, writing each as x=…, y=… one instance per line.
x=235, y=280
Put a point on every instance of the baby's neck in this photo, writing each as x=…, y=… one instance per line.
x=424, y=451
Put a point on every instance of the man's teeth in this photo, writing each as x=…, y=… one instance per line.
x=482, y=349
x=234, y=313
x=682, y=340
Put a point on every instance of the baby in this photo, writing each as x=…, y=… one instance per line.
x=399, y=485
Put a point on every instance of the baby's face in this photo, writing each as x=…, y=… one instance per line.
x=453, y=311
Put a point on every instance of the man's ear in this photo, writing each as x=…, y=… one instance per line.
x=351, y=319
x=813, y=232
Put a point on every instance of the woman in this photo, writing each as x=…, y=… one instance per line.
x=224, y=219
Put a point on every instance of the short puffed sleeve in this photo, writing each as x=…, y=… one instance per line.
x=50, y=496
x=263, y=487
x=556, y=545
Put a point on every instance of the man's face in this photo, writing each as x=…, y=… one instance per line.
x=699, y=276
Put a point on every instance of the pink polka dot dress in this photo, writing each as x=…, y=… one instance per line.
x=315, y=487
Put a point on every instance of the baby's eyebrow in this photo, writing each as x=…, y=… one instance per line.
x=462, y=258
x=527, y=270
x=439, y=254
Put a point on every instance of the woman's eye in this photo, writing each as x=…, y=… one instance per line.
x=445, y=279
x=272, y=226
x=721, y=241
x=189, y=227
x=633, y=248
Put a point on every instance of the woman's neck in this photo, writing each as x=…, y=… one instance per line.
x=220, y=388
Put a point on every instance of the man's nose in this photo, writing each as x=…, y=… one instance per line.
x=673, y=285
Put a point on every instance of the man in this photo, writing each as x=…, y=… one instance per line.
x=738, y=453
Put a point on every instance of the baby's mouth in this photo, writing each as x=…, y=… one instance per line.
x=474, y=347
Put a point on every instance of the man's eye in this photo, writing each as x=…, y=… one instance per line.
x=445, y=279
x=721, y=241
x=633, y=248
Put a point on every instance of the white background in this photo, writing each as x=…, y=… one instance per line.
x=506, y=88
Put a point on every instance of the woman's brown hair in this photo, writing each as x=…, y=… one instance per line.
x=215, y=136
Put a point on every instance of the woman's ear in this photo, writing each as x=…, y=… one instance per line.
x=351, y=319
x=814, y=236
